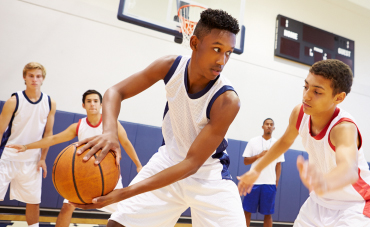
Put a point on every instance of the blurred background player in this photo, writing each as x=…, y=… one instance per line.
x=26, y=117
x=262, y=196
x=86, y=127
x=190, y=169
x=337, y=174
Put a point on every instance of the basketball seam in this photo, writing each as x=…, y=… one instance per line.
x=73, y=175
x=102, y=177
x=55, y=166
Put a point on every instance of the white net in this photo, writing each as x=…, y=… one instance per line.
x=189, y=15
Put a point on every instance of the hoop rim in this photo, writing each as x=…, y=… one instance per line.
x=184, y=6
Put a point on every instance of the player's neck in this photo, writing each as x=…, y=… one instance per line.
x=267, y=136
x=319, y=121
x=94, y=119
x=33, y=94
x=196, y=82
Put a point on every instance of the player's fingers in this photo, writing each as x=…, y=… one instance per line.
x=102, y=154
x=86, y=140
x=118, y=156
x=92, y=151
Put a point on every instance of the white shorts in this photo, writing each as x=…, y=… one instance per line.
x=25, y=181
x=213, y=202
x=313, y=214
x=112, y=207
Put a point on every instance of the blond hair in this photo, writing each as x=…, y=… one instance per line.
x=34, y=65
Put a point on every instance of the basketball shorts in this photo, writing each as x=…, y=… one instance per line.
x=213, y=202
x=313, y=214
x=261, y=198
x=24, y=179
x=112, y=207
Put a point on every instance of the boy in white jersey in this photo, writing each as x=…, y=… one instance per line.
x=337, y=173
x=86, y=127
x=190, y=169
x=26, y=117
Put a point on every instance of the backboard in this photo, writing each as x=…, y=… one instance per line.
x=161, y=15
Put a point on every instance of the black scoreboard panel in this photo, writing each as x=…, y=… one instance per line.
x=306, y=44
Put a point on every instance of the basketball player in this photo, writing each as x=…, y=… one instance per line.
x=86, y=127
x=262, y=196
x=191, y=167
x=26, y=117
x=337, y=174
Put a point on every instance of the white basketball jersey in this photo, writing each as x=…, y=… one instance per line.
x=85, y=129
x=186, y=115
x=322, y=154
x=26, y=126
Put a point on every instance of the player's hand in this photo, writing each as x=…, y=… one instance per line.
x=313, y=179
x=246, y=181
x=42, y=164
x=102, y=201
x=106, y=142
x=19, y=148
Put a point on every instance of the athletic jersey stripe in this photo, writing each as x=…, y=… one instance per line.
x=49, y=103
x=24, y=93
x=300, y=116
x=8, y=131
x=78, y=126
x=218, y=93
x=172, y=69
x=340, y=121
x=323, y=132
x=364, y=190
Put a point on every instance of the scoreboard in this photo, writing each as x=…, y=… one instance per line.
x=306, y=44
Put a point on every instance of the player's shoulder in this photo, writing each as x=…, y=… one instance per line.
x=167, y=61
x=294, y=116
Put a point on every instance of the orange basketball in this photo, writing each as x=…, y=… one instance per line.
x=79, y=181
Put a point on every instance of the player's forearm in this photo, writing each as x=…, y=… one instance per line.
x=250, y=160
x=163, y=178
x=132, y=154
x=273, y=153
x=111, y=108
x=345, y=173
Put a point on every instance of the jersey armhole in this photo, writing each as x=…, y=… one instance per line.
x=172, y=69
x=299, y=120
x=78, y=126
x=216, y=95
x=16, y=106
x=340, y=121
x=49, y=103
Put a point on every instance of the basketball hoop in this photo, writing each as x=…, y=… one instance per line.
x=189, y=16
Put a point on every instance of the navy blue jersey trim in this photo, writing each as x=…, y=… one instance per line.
x=8, y=132
x=172, y=69
x=164, y=114
x=216, y=95
x=224, y=159
x=24, y=93
x=49, y=103
x=202, y=92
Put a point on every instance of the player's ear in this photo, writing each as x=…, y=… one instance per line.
x=83, y=105
x=194, y=42
x=338, y=98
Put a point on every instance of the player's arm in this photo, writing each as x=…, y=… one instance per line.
x=6, y=114
x=344, y=137
x=280, y=146
x=61, y=137
x=126, y=144
x=223, y=112
x=250, y=160
x=278, y=172
x=113, y=97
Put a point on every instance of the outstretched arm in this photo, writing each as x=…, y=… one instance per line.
x=126, y=144
x=210, y=137
x=344, y=137
x=113, y=97
x=280, y=146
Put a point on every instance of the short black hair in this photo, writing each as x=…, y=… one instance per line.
x=338, y=72
x=268, y=119
x=90, y=92
x=215, y=18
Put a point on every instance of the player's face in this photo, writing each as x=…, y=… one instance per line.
x=33, y=78
x=92, y=104
x=268, y=127
x=318, y=95
x=213, y=52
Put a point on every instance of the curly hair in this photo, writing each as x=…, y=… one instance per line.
x=338, y=72
x=215, y=18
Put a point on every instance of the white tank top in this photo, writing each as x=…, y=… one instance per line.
x=186, y=115
x=85, y=129
x=322, y=154
x=26, y=126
